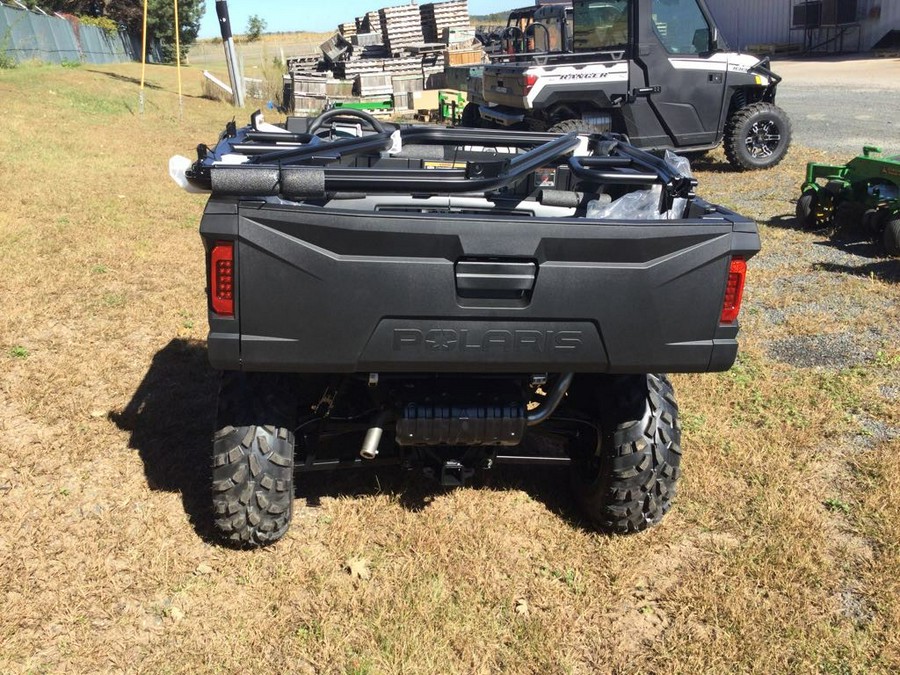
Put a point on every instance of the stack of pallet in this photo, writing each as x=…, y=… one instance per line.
x=309, y=91
x=350, y=68
x=370, y=23
x=381, y=57
x=433, y=61
x=437, y=16
x=401, y=26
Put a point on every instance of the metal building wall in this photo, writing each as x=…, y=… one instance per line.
x=889, y=19
x=750, y=22
x=753, y=22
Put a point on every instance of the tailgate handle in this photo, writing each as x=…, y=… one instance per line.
x=495, y=278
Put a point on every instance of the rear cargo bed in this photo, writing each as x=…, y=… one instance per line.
x=334, y=290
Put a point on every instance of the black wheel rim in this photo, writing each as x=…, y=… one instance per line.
x=763, y=139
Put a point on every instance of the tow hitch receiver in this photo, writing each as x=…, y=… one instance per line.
x=453, y=473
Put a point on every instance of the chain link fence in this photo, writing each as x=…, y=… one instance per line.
x=26, y=35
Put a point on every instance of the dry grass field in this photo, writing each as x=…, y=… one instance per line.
x=256, y=55
x=781, y=554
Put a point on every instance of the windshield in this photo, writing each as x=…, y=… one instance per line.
x=681, y=26
x=549, y=37
x=601, y=25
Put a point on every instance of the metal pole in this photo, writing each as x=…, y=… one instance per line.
x=178, y=61
x=143, y=61
x=230, y=57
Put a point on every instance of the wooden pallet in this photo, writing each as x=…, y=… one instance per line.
x=366, y=39
x=335, y=47
x=403, y=84
x=456, y=36
x=310, y=85
x=438, y=16
x=401, y=26
x=373, y=85
x=301, y=64
x=462, y=57
x=371, y=23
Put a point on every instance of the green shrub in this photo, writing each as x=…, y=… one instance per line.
x=104, y=22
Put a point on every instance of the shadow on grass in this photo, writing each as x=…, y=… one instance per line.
x=170, y=418
x=137, y=81
x=851, y=240
x=708, y=162
x=172, y=414
x=125, y=78
x=886, y=270
x=787, y=221
x=415, y=491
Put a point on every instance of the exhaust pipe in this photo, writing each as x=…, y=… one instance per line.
x=549, y=404
x=372, y=440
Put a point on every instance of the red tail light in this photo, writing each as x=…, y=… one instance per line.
x=734, y=290
x=221, y=278
x=530, y=81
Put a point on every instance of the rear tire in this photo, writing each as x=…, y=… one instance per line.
x=576, y=125
x=471, y=116
x=757, y=136
x=253, y=458
x=626, y=482
x=891, y=237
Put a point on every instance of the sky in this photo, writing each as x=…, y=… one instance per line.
x=316, y=15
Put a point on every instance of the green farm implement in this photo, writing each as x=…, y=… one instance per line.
x=865, y=191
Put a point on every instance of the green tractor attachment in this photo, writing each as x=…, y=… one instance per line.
x=865, y=191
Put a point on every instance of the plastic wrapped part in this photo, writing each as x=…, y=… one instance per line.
x=637, y=205
x=303, y=182
x=178, y=168
x=396, y=143
x=645, y=204
x=683, y=166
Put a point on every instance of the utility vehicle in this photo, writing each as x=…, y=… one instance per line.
x=453, y=300
x=655, y=70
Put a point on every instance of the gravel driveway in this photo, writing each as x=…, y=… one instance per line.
x=839, y=104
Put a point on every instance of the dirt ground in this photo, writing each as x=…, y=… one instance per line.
x=780, y=554
x=840, y=104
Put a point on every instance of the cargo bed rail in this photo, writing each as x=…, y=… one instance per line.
x=301, y=166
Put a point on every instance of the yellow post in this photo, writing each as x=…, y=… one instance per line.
x=143, y=60
x=178, y=61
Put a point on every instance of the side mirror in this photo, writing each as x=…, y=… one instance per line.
x=714, y=41
x=702, y=41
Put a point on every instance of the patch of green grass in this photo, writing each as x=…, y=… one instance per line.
x=836, y=505
x=114, y=300
x=92, y=103
x=569, y=577
x=18, y=352
x=745, y=369
x=883, y=360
